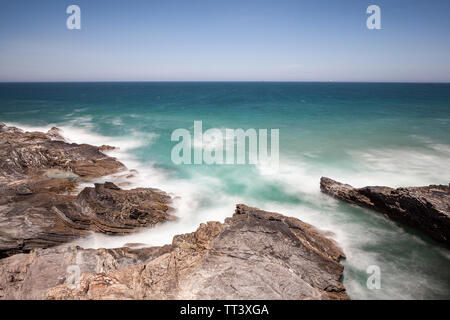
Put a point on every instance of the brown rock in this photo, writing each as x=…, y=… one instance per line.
x=55, y=134
x=110, y=185
x=29, y=276
x=46, y=219
x=426, y=209
x=24, y=190
x=253, y=255
x=38, y=174
x=28, y=153
x=105, y=147
x=109, y=209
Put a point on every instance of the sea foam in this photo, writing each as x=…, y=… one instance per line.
x=365, y=236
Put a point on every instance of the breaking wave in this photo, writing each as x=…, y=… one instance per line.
x=408, y=262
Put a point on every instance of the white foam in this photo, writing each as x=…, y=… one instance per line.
x=399, y=168
x=299, y=177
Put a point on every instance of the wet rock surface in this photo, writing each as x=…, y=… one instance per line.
x=253, y=255
x=29, y=276
x=26, y=154
x=39, y=208
x=426, y=209
x=108, y=209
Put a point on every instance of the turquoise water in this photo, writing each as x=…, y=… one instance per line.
x=361, y=134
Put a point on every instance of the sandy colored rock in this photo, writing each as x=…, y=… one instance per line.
x=29, y=276
x=253, y=255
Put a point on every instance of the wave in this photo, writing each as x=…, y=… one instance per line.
x=367, y=238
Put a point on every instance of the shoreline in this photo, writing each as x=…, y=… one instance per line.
x=109, y=209
x=163, y=229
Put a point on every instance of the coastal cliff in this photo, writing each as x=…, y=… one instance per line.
x=426, y=209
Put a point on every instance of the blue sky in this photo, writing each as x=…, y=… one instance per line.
x=217, y=40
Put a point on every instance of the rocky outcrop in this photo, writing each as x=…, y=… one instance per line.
x=39, y=208
x=46, y=219
x=253, y=255
x=29, y=276
x=27, y=154
x=426, y=209
x=108, y=209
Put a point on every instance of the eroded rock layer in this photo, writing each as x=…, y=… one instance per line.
x=426, y=209
x=253, y=255
x=39, y=173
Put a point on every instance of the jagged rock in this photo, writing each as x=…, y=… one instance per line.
x=46, y=219
x=25, y=154
x=110, y=185
x=23, y=190
x=105, y=147
x=29, y=276
x=39, y=173
x=109, y=209
x=55, y=134
x=426, y=209
x=253, y=255
x=8, y=129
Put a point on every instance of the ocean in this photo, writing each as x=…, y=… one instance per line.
x=392, y=134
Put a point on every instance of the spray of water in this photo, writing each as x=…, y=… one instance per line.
x=411, y=266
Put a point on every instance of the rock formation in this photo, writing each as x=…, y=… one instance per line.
x=108, y=209
x=39, y=208
x=253, y=255
x=29, y=276
x=426, y=209
x=27, y=154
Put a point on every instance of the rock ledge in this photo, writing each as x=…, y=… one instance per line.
x=426, y=209
x=253, y=255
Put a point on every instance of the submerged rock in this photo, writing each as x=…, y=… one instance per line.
x=426, y=209
x=253, y=255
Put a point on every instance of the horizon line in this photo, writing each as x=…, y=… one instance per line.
x=220, y=81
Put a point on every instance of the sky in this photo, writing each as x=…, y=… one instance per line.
x=218, y=40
